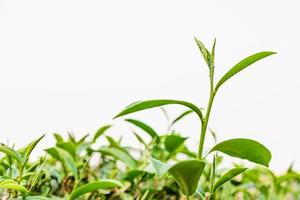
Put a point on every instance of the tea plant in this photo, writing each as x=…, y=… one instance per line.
x=162, y=166
x=187, y=173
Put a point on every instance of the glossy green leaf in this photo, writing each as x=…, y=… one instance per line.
x=144, y=127
x=227, y=177
x=187, y=175
x=120, y=155
x=65, y=158
x=93, y=186
x=242, y=65
x=101, y=131
x=143, y=105
x=245, y=149
x=11, y=153
x=173, y=142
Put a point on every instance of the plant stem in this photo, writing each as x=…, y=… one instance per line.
x=206, y=119
x=204, y=126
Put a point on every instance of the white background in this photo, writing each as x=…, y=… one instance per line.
x=72, y=65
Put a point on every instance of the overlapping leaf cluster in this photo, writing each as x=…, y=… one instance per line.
x=100, y=166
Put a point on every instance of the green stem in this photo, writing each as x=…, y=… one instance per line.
x=206, y=119
x=204, y=126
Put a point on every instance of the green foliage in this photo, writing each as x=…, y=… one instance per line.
x=162, y=168
x=245, y=149
x=90, y=187
x=187, y=174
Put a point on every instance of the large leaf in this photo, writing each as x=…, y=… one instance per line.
x=143, y=105
x=187, y=174
x=144, y=127
x=11, y=153
x=101, y=131
x=173, y=142
x=227, y=177
x=120, y=155
x=93, y=186
x=65, y=158
x=245, y=149
x=242, y=65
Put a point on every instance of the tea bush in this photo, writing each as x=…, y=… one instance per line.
x=162, y=168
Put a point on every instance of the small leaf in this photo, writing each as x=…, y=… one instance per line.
x=132, y=174
x=139, y=138
x=30, y=148
x=12, y=153
x=160, y=167
x=120, y=155
x=228, y=176
x=242, y=65
x=101, y=131
x=205, y=53
x=245, y=149
x=143, y=105
x=173, y=142
x=93, y=186
x=65, y=158
x=187, y=175
x=181, y=116
x=144, y=127
x=113, y=143
x=58, y=138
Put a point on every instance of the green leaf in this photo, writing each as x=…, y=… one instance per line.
x=11, y=184
x=144, y=127
x=120, y=155
x=187, y=175
x=143, y=105
x=181, y=116
x=173, y=142
x=101, y=131
x=139, y=138
x=242, y=65
x=69, y=147
x=113, y=143
x=58, y=138
x=160, y=167
x=65, y=158
x=205, y=53
x=11, y=153
x=228, y=176
x=93, y=186
x=245, y=149
x=30, y=148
